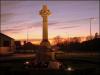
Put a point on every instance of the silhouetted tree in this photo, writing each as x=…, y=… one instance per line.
x=75, y=39
x=57, y=40
x=90, y=45
x=96, y=35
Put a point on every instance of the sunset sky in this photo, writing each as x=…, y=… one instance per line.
x=68, y=18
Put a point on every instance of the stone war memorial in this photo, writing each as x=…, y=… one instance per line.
x=45, y=53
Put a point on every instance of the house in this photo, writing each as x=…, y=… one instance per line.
x=7, y=44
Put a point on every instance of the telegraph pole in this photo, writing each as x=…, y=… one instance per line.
x=99, y=30
x=90, y=28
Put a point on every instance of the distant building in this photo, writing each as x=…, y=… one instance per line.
x=29, y=47
x=18, y=45
x=7, y=44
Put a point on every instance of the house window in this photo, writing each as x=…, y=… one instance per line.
x=6, y=43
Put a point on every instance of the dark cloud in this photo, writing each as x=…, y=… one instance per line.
x=67, y=27
x=9, y=3
x=25, y=26
x=6, y=11
x=53, y=23
x=12, y=30
x=6, y=17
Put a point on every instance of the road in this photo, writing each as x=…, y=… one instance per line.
x=17, y=55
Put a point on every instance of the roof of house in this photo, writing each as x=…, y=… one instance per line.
x=1, y=34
